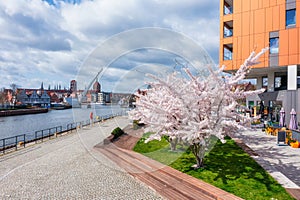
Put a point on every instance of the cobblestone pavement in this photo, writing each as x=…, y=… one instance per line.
x=68, y=168
x=282, y=162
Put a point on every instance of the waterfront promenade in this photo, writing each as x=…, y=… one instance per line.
x=69, y=168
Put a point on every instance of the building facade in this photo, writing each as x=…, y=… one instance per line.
x=34, y=99
x=247, y=25
x=73, y=86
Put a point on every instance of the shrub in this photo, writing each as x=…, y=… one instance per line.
x=117, y=132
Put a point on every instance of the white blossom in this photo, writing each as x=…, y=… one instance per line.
x=194, y=109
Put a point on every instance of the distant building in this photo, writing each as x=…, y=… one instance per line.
x=73, y=86
x=96, y=87
x=34, y=99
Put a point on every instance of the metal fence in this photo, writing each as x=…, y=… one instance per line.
x=12, y=142
x=17, y=141
x=47, y=133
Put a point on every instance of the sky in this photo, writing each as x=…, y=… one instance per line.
x=55, y=41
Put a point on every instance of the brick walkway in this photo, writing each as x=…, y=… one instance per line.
x=167, y=181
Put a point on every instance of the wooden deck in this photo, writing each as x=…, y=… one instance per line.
x=167, y=181
x=294, y=193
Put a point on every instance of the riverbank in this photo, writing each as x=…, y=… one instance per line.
x=5, y=113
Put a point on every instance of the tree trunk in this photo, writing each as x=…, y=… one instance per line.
x=200, y=162
x=198, y=152
x=173, y=143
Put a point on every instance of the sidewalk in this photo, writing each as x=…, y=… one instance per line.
x=282, y=162
x=69, y=168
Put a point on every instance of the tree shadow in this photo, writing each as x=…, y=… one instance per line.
x=230, y=162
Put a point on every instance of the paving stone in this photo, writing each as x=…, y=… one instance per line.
x=69, y=168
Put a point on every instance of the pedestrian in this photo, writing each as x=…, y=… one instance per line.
x=91, y=118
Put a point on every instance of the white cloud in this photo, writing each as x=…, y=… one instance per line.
x=47, y=43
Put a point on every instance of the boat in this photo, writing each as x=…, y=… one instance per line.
x=60, y=106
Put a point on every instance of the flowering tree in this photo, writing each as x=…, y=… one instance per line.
x=194, y=109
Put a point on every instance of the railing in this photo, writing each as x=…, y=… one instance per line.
x=12, y=142
x=40, y=135
x=47, y=133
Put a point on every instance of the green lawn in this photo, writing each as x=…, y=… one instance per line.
x=227, y=166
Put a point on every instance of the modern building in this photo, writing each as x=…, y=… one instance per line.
x=247, y=25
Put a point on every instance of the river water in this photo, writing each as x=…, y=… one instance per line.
x=28, y=124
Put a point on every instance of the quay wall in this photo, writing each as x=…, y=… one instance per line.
x=5, y=113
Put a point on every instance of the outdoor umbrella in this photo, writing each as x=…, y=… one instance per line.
x=282, y=118
x=293, y=120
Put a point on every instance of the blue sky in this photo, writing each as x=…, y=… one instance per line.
x=50, y=41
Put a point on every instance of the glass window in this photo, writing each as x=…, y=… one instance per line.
x=227, y=53
x=228, y=29
x=228, y=7
x=290, y=17
x=265, y=81
x=274, y=44
x=277, y=82
x=227, y=32
x=227, y=10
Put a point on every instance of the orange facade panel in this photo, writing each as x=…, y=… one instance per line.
x=269, y=19
x=246, y=23
x=293, y=59
x=251, y=25
x=260, y=3
x=283, y=48
x=246, y=6
x=283, y=43
x=237, y=6
x=272, y=3
x=275, y=17
x=282, y=17
x=293, y=41
x=228, y=64
x=235, y=48
x=227, y=18
x=227, y=40
x=297, y=14
x=299, y=46
x=254, y=4
x=281, y=2
x=245, y=47
x=238, y=53
x=283, y=60
x=237, y=24
x=266, y=3
x=259, y=21
x=260, y=43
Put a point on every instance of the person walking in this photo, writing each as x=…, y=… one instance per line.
x=91, y=118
